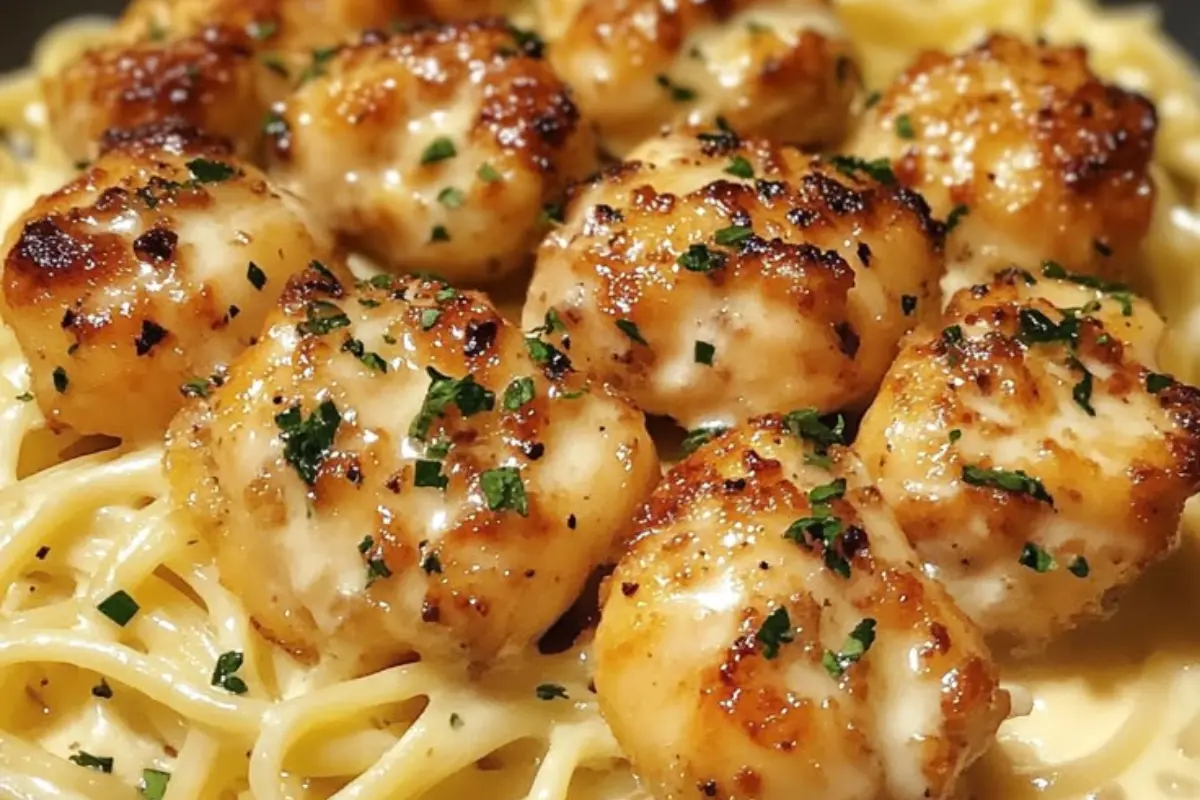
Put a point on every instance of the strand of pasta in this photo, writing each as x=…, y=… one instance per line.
x=570, y=746
x=27, y=770
x=154, y=677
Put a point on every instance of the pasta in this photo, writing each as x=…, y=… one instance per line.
x=1115, y=710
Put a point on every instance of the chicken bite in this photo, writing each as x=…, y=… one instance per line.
x=147, y=273
x=395, y=468
x=771, y=613
x=1035, y=460
x=1025, y=151
x=781, y=69
x=207, y=80
x=436, y=149
x=714, y=278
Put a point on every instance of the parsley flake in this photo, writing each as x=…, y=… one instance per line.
x=98, y=763
x=956, y=216
x=856, y=646
x=699, y=258
x=503, y=489
x=551, y=691
x=223, y=673
x=439, y=149
x=307, y=441
x=518, y=393
x=1157, y=382
x=451, y=197
x=1036, y=558
x=829, y=491
x=61, y=381
x=1082, y=391
x=775, y=631
x=904, y=127
x=322, y=317
x=703, y=352
x=739, y=167
x=444, y=391
x=428, y=474
x=154, y=784
x=807, y=423
x=679, y=94
x=257, y=278
x=102, y=690
x=1079, y=567
x=698, y=437
x=119, y=607
x=439, y=234
x=205, y=171
x=489, y=174
x=880, y=168
x=908, y=304
x=630, y=329
x=1015, y=481
x=734, y=234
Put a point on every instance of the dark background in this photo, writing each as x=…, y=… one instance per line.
x=21, y=20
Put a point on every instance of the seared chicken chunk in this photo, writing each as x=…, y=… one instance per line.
x=436, y=149
x=394, y=467
x=1029, y=153
x=1035, y=462
x=714, y=279
x=150, y=271
x=782, y=69
x=207, y=80
x=770, y=635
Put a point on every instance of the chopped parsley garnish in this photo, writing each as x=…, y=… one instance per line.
x=503, y=489
x=257, y=278
x=904, y=127
x=456, y=721
x=439, y=448
x=102, y=690
x=734, y=234
x=1015, y=481
x=1157, y=382
x=273, y=62
x=856, y=646
x=372, y=360
x=551, y=691
x=1102, y=248
x=445, y=294
x=823, y=526
x=1079, y=567
x=439, y=234
x=552, y=214
x=630, y=329
x=956, y=215
x=955, y=435
x=829, y=491
x=439, y=149
x=306, y=442
x=154, y=784
x=451, y=197
x=807, y=423
x=119, y=607
x=548, y=356
x=444, y=391
x=723, y=138
x=679, y=94
x=488, y=174
x=1082, y=391
x=697, y=438
x=872, y=100
x=98, y=763
x=428, y=474
x=429, y=317
x=739, y=167
x=703, y=352
x=699, y=258
x=205, y=171
x=376, y=567
x=517, y=393
x=880, y=168
x=24, y=397
x=61, y=381
x=223, y=673
x=262, y=29
x=1037, y=328
x=431, y=564
x=952, y=335
x=320, y=57
x=196, y=387
x=1117, y=291
x=908, y=304
x=322, y=317
x=1036, y=558
x=551, y=323
x=775, y=631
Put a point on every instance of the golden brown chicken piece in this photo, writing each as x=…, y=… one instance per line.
x=714, y=278
x=1025, y=150
x=147, y=273
x=436, y=149
x=770, y=635
x=1035, y=462
x=394, y=467
x=782, y=69
x=207, y=80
